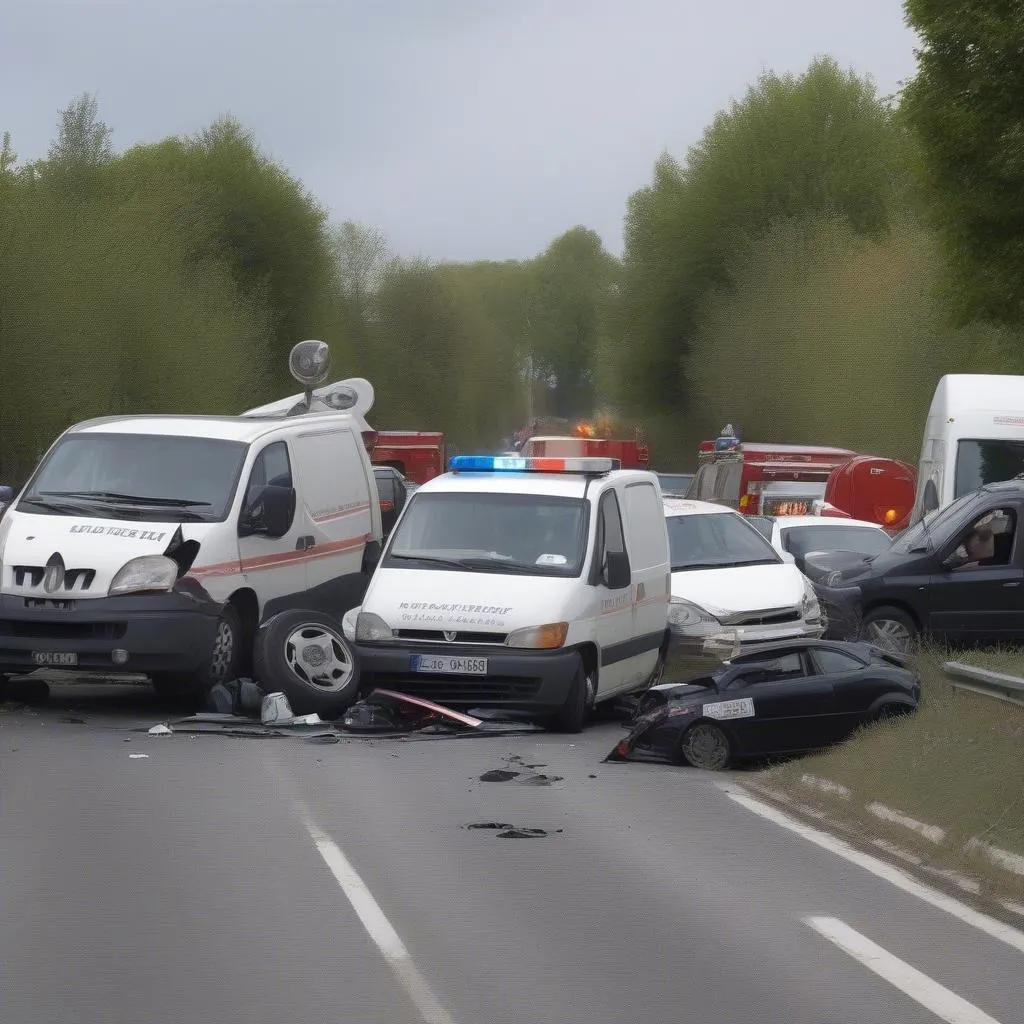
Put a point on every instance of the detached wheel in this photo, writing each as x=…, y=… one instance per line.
x=223, y=661
x=890, y=628
x=581, y=697
x=706, y=745
x=305, y=656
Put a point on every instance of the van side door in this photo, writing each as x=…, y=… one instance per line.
x=335, y=490
x=271, y=563
x=647, y=542
x=613, y=627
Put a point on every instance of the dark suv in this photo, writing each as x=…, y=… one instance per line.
x=957, y=576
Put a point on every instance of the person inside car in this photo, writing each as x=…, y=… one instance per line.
x=989, y=542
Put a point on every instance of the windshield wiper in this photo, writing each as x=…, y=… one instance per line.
x=523, y=568
x=75, y=508
x=131, y=499
x=452, y=563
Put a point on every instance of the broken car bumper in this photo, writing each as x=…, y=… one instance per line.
x=170, y=632
x=841, y=607
x=535, y=681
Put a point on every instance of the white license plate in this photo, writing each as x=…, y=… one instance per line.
x=54, y=658
x=725, y=709
x=453, y=666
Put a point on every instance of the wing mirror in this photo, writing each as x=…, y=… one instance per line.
x=269, y=513
x=616, y=573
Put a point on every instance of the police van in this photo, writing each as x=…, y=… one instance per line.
x=157, y=544
x=537, y=584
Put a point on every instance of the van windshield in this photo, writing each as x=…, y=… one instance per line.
x=980, y=462
x=137, y=476
x=518, y=534
x=716, y=540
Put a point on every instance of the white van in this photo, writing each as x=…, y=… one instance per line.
x=974, y=435
x=533, y=584
x=157, y=544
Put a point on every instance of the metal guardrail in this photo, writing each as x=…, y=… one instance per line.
x=982, y=680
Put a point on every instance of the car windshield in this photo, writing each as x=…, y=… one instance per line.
x=763, y=525
x=800, y=540
x=520, y=534
x=932, y=525
x=137, y=476
x=675, y=483
x=716, y=541
x=986, y=462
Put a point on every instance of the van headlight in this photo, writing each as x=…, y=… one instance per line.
x=147, y=572
x=539, y=638
x=371, y=628
x=810, y=609
x=348, y=623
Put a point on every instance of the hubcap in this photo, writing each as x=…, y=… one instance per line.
x=223, y=651
x=319, y=656
x=705, y=747
x=889, y=634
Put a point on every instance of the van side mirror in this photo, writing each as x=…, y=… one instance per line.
x=269, y=513
x=616, y=575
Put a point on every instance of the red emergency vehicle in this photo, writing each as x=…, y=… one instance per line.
x=873, y=489
x=764, y=479
x=417, y=454
x=632, y=454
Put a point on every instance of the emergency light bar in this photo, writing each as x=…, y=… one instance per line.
x=519, y=464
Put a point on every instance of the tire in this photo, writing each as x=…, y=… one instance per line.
x=305, y=656
x=707, y=746
x=887, y=712
x=889, y=628
x=223, y=662
x=573, y=713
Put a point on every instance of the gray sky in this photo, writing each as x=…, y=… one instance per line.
x=462, y=129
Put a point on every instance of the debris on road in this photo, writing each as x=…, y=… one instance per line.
x=498, y=775
x=276, y=710
x=506, y=831
x=137, y=757
x=161, y=730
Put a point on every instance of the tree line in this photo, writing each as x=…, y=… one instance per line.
x=807, y=270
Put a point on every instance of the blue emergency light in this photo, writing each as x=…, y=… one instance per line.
x=519, y=464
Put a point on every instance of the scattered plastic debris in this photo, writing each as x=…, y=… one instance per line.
x=527, y=833
x=496, y=825
x=276, y=710
x=499, y=775
x=235, y=696
x=136, y=757
x=160, y=730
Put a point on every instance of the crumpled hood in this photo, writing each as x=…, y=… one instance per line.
x=446, y=599
x=746, y=588
x=102, y=545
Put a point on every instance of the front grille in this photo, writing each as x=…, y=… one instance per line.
x=456, y=690
x=767, y=618
x=436, y=636
x=54, y=629
x=75, y=580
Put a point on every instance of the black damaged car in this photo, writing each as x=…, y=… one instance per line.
x=779, y=698
x=957, y=576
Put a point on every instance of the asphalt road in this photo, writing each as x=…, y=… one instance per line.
x=269, y=880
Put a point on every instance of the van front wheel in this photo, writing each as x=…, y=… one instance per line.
x=573, y=713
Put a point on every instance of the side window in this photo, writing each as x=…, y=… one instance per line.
x=788, y=666
x=612, y=540
x=385, y=487
x=987, y=543
x=833, y=662
x=728, y=484
x=272, y=466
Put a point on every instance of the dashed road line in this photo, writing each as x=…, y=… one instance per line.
x=377, y=926
x=882, y=869
x=909, y=980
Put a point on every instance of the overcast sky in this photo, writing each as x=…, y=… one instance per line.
x=462, y=129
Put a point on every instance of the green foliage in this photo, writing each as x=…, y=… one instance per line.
x=967, y=107
x=820, y=143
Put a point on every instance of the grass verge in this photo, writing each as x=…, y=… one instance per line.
x=957, y=764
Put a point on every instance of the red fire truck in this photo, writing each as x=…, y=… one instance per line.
x=417, y=454
x=584, y=443
x=873, y=489
x=764, y=479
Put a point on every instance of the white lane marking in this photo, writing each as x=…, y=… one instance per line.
x=930, y=994
x=377, y=925
x=989, y=925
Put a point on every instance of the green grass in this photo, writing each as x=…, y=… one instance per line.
x=958, y=763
